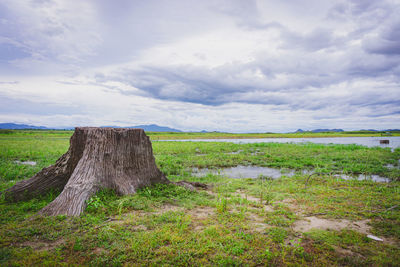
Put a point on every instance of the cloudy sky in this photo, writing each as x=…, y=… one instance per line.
x=226, y=65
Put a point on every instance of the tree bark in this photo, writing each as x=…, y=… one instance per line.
x=116, y=158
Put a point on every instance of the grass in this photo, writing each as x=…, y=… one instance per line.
x=207, y=135
x=236, y=222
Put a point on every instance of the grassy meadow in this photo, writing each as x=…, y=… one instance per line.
x=317, y=220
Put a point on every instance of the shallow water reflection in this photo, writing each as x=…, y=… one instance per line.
x=256, y=171
x=245, y=172
x=394, y=141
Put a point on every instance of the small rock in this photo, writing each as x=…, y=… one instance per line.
x=375, y=238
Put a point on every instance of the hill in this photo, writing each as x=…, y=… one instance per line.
x=320, y=130
x=147, y=128
x=150, y=128
x=14, y=126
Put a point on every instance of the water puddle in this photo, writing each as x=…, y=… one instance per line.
x=254, y=172
x=31, y=163
x=235, y=152
x=245, y=172
x=361, y=177
x=394, y=141
x=392, y=166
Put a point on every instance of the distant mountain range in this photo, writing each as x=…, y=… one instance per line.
x=147, y=128
x=341, y=130
x=20, y=126
x=150, y=128
x=320, y=130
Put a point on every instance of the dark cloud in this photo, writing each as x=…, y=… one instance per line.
x=226, y=85
x=282, y=80
x=317, y=58
x=387, y=42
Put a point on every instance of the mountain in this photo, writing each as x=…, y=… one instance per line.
x=147, y=128
x=156, y=128
x=150, y=128
x=326, y=130
x=319, y=130
x=15, y=126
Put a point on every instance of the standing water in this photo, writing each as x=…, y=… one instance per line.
x=394, y=141
x=256, y=172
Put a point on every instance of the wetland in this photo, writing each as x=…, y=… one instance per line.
x=274, y=213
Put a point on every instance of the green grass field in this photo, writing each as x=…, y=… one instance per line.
x=218, y=135
x=289, y=221
x=208, y=135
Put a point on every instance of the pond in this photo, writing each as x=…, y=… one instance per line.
x=394, y=141
x=256, y=171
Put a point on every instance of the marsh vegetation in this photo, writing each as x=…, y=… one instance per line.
x=296, y=219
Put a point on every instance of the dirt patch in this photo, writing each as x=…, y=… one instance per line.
x=344, y=251
x=244, y=195
x=240, y=194
x=247, y=197
x=42, y=246
x=291, y=204
x=168, y=207
x=253, y=217
x=211, y=193
x=362, y=227
x=199, y=227
x=257, y=223
x=99, y=251
x=139, y=228
x=313, y=222
x=265, y=208
x=288, y=202
x=258, y=227
x=201, y=213
x=130, y=217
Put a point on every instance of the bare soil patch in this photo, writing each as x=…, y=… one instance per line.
x=257, y=223
x=313, y=222
x=246, y=196
x=201, y=213
x=99, y=251
x=292, y=204
x=211, y=192
x=41, y=245
x=139, y=227
x=168, y=207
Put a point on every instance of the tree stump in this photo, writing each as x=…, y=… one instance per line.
x=116, y=158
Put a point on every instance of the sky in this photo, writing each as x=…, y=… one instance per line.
x=235, y=66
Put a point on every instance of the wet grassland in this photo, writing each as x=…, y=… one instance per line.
x=307, y=218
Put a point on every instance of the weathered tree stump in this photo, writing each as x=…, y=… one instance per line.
x=116, y=158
